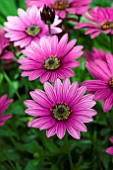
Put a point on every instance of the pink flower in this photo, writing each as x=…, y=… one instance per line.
x=4, y=43
x=28, y=27
x=59, y=108
x=100, y=20
x=63, y=6
x=110, y=149
x=4, y=103
x=95, y=54
x=38, y=3
x=102, y=87
x=50, y=59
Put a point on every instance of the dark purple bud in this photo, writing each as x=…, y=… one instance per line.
x=47, y=15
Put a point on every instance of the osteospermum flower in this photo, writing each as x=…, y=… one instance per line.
x=61, y=7
x=50, y=59
x=4, y=103
x=102, y=87
x=59, y=108
x=4, y=43
x=28, y=27
x=100, y=20
x=110, y=149
x=95, y=54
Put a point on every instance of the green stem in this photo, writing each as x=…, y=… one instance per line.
x=49, y=28
x=10, y=83
x=69, y=154
x=111, y=43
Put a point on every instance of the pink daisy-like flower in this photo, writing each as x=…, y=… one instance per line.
x=28, y=27
x=95, y=54
x=63, y=6
x=102, y=87
x=50, y=59
x=110, y=149
x=61, y=107
x=4, y=103
x=4, y=43
x=100, y=20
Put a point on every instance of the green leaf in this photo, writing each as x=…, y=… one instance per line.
x=1, y=78
x=31, y=166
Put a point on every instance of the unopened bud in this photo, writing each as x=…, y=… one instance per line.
x=47, y=15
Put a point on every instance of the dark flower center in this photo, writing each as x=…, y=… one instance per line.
x=33, y=30
x=111, y=83
x=107, y=25
x=52, y=63
x=61, y=112
x=60, y=5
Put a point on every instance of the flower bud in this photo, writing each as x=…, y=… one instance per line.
x=47, y=15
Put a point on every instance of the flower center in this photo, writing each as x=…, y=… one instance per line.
x=61, y=112
x=33, y=30
x=111, y=83
x=107, y=25
x=52, y=63
x=60, y=5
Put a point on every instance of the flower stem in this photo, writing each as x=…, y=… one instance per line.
x=111, y=43
x=49, y=28
x=69, y=154
x=11, y=84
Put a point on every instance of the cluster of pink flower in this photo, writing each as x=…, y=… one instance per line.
x=63, y=105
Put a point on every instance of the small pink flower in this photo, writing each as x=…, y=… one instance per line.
x=102, y=87
x=63, y=6
x=50, y=59
x=100, y=20
x=95, y=54
x=59, y=108
x=110, y=149
x=4, y=103
x=28, y=27
x=4, y=43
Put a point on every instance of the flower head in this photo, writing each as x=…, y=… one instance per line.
x=110, y=149
x=50, y=59
x=4, y=43
x=28, y=27
x=59, y=108
x=95, y=54
x=61, y=7
x=102, y=87
x=4, y=103
x=100, y=20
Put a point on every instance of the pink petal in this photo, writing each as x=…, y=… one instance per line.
x=44, y=77
x=101, y=95
x=38, y=112
x=40, y=97
x=107, y=104
x=110, y=150
x=7, y=56
x=60, y=130
x=111, y=139
x=49, y=90
x=72, y=131
x=51, y=131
